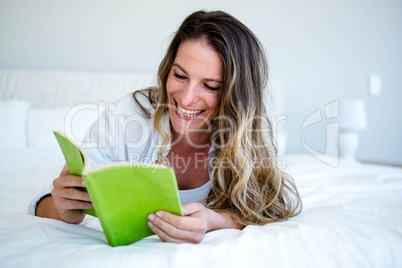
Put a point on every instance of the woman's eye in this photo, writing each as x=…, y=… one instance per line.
x=211, y=88
x=178, y=76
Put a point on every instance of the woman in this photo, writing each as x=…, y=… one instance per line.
x=209, y=119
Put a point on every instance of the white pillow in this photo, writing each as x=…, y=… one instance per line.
x=71, y=121
x=13, y=124
x=42, y=123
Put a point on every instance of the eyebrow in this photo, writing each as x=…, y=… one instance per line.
x=207, y=79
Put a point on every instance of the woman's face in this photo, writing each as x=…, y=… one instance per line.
x=193, y=86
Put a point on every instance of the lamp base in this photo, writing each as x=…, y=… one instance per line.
x=348, y=141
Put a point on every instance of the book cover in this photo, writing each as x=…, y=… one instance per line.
x=123, y=194
x=75, y=160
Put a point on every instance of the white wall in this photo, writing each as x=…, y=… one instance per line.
x=321, y=50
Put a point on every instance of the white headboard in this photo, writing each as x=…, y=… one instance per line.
x=53, y=89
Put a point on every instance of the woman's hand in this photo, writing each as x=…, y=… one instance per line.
x=68, y=200
x=172, y=228
x=191, y=228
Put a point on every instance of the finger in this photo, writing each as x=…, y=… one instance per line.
x=191, y=208
x=179, y=222
x=172, y=231
x=76, y=204
x=63, y=204
x=71, y=193
x=164, y=224
x=73, y=216
x=68, y=181
x=162, y=235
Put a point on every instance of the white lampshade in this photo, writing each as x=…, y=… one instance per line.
x=352, y=115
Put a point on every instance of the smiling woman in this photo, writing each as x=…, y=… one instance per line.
x=205, y=118
x=214, y=73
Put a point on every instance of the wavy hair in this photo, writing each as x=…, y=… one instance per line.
x=247, y=181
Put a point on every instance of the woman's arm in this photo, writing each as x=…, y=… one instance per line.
x=191, y=228
x=66, y=200
x=222, y=220
x=47, y=209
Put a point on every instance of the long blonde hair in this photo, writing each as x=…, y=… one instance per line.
x=247, y=181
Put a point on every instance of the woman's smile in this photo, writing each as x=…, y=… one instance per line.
x=188, y=114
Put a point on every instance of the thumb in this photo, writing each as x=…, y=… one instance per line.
x=191, y=208
x=65, y=171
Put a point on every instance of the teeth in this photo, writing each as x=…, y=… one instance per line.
x=188, y=113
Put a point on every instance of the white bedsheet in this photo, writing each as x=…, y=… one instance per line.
x=352, y=217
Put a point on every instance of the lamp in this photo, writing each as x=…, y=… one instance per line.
x=351, y=119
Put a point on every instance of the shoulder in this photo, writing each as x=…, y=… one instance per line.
x=122, y=127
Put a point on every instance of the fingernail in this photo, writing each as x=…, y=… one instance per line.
x=150, y=217
x=150, y=224
x=82, y=182
x=159, y=214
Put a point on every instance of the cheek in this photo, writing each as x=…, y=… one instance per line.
x=214, y=103
x=171, y=86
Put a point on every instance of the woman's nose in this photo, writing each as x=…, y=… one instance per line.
x=189, y=94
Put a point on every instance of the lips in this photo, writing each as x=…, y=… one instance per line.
x=187, y=114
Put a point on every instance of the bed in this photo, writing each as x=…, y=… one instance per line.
x=352, y=215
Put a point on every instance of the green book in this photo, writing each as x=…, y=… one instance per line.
x=123, y=193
